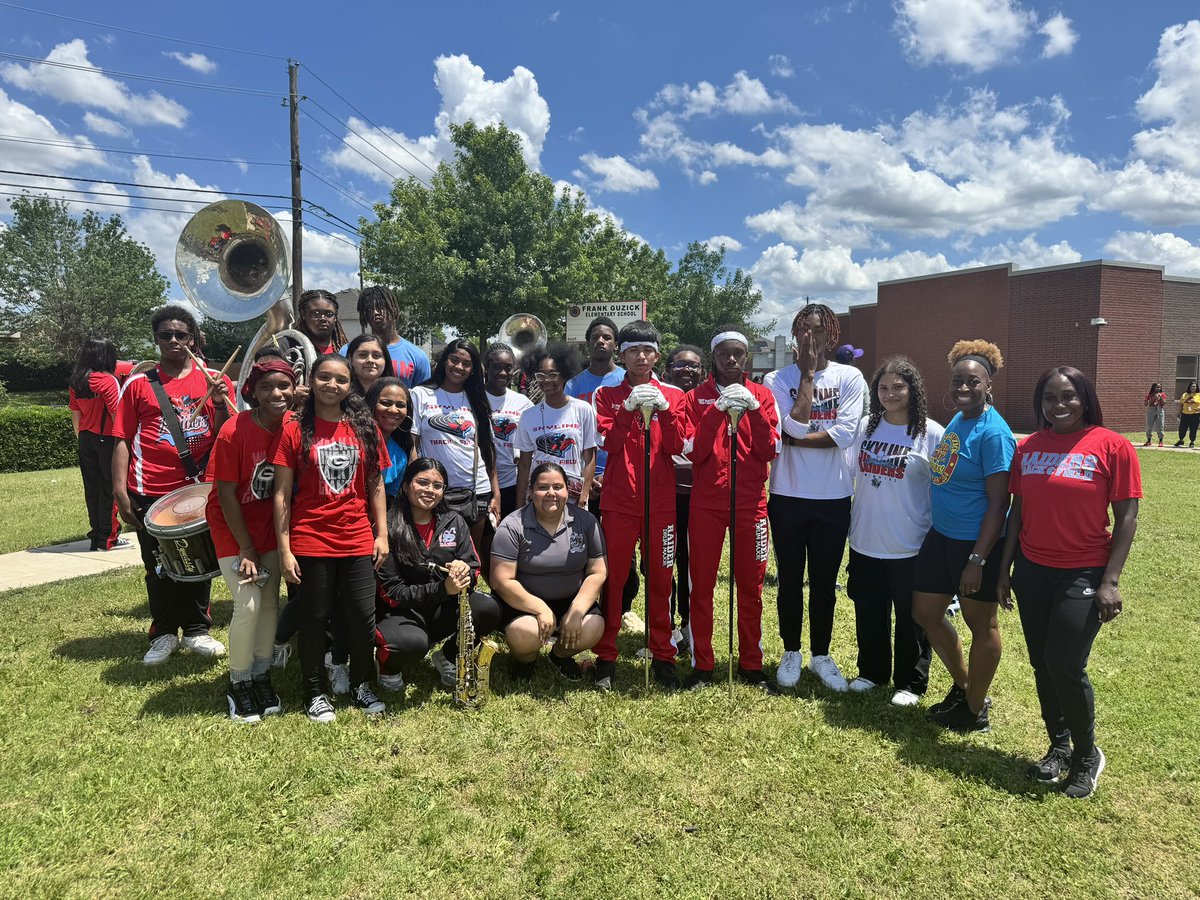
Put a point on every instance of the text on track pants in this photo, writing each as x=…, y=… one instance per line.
x=623, y=532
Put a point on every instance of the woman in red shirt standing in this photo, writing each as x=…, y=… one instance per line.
x=332, y=534
x=1068, y=566
x=240, y=520
x=94, y=395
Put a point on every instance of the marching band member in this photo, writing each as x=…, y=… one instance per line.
x=548, y=568
x=1064, y=479
x=240, y=520
x=820, y=404
x=379, y=314
x=507, y=408
x=331, y=528
x=94, y=395
x=889, y=461
x=390, y=403
x=707, y=410
x=684, y=369
x=369, y=361
x=961, y=553
x=416, y=605
x=319, y=321
x=619, y=423
x=148, y=463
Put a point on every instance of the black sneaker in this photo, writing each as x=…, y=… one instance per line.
x=265, y=697
x=566, y=667
x=604, y=673
x=242, y=707
x=960, y=718
x=956, y=696
x=521, y=671
x=319, y=709
x=757, y=678
x=664, y=676
x=700, y=678
x=1052, y=766
x=365, y=699
x=1081, y=780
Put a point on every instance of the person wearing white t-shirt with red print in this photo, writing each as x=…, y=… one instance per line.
x=507, y=408
x=820, y=404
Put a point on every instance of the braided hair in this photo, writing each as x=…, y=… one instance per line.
x=354, y=413
x=903, y=367
x=377, y=296
x=338, y=337
x=829, y=320
x=473, y=387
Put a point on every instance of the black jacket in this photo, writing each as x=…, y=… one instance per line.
x=401, y=587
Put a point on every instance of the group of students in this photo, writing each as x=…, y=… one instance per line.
x=378, y=501
x=1155, y=402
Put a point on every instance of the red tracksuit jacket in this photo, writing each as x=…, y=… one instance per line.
x=758, y=436
x=621, y=437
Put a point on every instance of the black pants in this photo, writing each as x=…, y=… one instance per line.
x=289, y=624
x=406, y=637
x=632, y=582
x=174, y=605
x=877, y=587
x=1187, y=425
x=95, y=465
x=329, y=585
x=812, y=531
x=1060, y=620
x=681, y=584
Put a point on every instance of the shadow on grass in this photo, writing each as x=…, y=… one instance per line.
x=123, y=645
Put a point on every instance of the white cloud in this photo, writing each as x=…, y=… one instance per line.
x=466, y=95
x=1026, y=253
x=733, y=245
x=742, y=96
x=708, y=176
x=617, y=174
x=978, y=34
x=1060, y=37
x=781, y=66
x=1174, y=99
x=86, y=85
x=197, y=62
x=31, y=154
x=1177, y=255
x=104, y=125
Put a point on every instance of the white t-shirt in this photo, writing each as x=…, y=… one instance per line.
x=892, y=508
x=558, y=436
x=506, y=413
x=444, y=429
x=809, y=472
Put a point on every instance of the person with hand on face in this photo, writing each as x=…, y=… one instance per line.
x=684, y=369
x=417, y=602
x=1065, y=478
x=820, y=404
x=369, y=362
x=94, y=395
x=891, y=515
x=242, y=526
x=390, y=404
x=961, y=553
x=549, y=570
x=507, y=408
x=147, y=464
x=1189, y=414
x=620, y=425
x=331, y=527
x=379, y=314
x=708, y=411
x=1155, y=403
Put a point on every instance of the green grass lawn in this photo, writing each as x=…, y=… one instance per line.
x=40, y=508
x=56, y=397
x=119, y=780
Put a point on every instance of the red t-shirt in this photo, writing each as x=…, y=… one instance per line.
x=329, y=505
x=154, y=466
x=242, y=455
x=1066, y=483
x=425, y=532
x=96, y=413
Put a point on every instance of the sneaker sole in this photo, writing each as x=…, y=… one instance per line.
x=1095, y=781
x=322, y=719
x=234, y=717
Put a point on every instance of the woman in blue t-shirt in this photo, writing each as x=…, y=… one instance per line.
x=961, y=551
x=389, y=402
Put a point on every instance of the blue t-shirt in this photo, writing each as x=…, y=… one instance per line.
x=970, y=451
x=409, y=362
x=583, y=386
x=393, y=474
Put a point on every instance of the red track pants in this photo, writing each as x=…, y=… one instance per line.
x=622, y=532
x=706, y=536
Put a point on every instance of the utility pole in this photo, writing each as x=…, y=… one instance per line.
x=297, y=210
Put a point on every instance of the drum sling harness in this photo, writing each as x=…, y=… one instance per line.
x=193, y=468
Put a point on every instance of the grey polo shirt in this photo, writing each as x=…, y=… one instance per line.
x=549, y=566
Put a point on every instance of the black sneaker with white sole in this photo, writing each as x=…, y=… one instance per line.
x=242, y=708
x=757, y=678
x=319, y=709
x=265, y=697
x=960, y=718
x=365, y=699
x=700, y=678
x=604, y=673
x=566, y=667
x=663, y=674
x=1081, y=781
x=1051, y=767
x=955, y=696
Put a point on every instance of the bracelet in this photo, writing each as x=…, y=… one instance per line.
x=977, y=559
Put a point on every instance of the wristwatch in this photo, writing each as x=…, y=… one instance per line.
x=977, y=559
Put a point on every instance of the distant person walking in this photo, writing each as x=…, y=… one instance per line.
x=1155, y=403
x=94, y=395
x=1189, y=415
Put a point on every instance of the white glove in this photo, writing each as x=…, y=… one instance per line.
x=646, y=395
x=736, y=396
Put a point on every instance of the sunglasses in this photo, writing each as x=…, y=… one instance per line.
x=181, y=337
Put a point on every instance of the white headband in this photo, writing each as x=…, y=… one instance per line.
x=729, y=336
x=629, y=345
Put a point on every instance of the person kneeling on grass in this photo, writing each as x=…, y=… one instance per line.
x=432, y=560
x=549, y=569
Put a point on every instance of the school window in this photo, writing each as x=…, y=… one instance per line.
x=1185, y=371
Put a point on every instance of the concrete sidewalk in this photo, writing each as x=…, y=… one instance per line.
x=43, y=565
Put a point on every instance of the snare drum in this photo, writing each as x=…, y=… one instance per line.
x=185, y=548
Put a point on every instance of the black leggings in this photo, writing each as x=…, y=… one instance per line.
x=406, y=637
x=327, y=583
x=681, y=584
x=813, y=531
x=1187, y=425
x=95, y=466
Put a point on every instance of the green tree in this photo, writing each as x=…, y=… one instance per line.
x=64, y=279
x=702, y=294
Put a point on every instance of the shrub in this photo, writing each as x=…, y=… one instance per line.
x=36, y=437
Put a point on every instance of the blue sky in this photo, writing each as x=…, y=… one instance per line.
x=828, y=146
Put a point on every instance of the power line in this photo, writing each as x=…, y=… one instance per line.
x=166, y=209
x=161, y=37
x=21, y=139
x=178, y=82
x=330, y=234
x=345, y=193
x=359, y=152
x=322, y=211
x=136, y=184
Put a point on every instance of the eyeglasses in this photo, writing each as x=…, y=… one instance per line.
x=429, y=485
x=686, y=366
x=164, y=337
x=322, y=313
x=547, y=376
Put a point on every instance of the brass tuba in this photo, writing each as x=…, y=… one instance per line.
x=523, y=332
x=232, y=264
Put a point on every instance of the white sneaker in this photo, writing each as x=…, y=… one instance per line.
x=904, y=698
x=280, y=655
x=339, y=678
x=160, y=650
x=393, y=683
x=861, y=685
x=827, y=670
x=632, y=623
x=954, y=608
x=203, y=645
x=790, y=664
x=447, y=669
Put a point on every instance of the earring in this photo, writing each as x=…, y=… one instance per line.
x=947, y=403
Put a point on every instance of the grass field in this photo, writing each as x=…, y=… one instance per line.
x=40, y=508
x=118, y=780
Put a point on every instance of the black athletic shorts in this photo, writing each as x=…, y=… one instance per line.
x=941, y=561
x=558, y=607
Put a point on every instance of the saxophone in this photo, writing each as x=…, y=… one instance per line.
x=473, y=665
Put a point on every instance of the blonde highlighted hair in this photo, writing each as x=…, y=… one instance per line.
x=981, y=348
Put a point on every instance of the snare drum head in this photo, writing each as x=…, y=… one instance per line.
x=179, y=508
